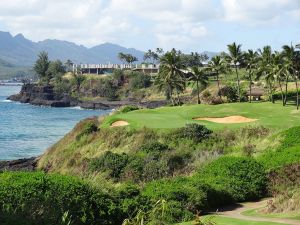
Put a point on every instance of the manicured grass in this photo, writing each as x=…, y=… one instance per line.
x=253, y=212
x=231, y=221
x=267, y=114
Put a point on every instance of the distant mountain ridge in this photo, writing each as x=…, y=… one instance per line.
x=20, y=51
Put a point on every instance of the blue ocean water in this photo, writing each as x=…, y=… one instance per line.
x=27, y=130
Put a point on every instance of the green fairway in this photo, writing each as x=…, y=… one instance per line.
x=253, y=212
x=231, y=221
x=267, y=114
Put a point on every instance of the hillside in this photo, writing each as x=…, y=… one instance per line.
x=20, y=51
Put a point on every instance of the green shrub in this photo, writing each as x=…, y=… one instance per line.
x=128, y=108
x=193, y=131
x=41, y=199
x=230, y=93
x=139, y=80
x=112, y=162
x=89, y=127
x=281, y=157
x=290, y=137
x=183, y=192
x=242, y=178
x=155, y=146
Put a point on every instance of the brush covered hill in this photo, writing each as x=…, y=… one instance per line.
x=179, y=164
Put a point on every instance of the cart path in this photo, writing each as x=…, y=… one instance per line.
x=235, y=211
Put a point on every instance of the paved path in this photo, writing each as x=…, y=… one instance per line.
x=235, y=211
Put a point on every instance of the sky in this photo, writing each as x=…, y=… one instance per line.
x=189, y=25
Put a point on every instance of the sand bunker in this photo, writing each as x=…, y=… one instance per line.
x=119, y=123
x=228, y=119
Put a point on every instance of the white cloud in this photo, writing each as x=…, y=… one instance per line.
x=166, y=23
x=258, y=12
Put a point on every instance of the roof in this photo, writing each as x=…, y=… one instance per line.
x=256, y=91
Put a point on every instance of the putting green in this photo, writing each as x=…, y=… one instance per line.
x=267, y=114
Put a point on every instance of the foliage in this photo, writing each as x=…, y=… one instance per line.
x=230, y=93
x=243, y=178
x=193, y=131
x=128, y=108
x=112, y=162
x=153, y=147
x=89, y=127
x=41, y=67
x=38, y=198
x=139, y=80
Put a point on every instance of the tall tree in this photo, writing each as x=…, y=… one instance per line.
x=199, y=76
x=170, y=76
x=251, y=58
x=235, y=57
x=151, y=56
x=41, y=66
x=56, y=70
x=292, y=58
x=69, y=64
x=265, y=69
x=217, y=65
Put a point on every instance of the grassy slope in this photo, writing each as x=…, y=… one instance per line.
x=268, y=114
x=231, y=221
x=255, y=213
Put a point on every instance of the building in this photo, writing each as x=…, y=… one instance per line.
x=109, y=68
x=256, y=93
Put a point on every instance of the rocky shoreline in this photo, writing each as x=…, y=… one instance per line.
x=27, y=164
x=45, y=96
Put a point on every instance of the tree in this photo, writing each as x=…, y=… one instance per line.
x=151, y=55
x=292, y=58
x=194, y=59
x=251, y=58
x=235, y=57
x=171, y=77
x=41, y=66
x=199, y=76
x=127, y=58
x=218, y=66
x=122, y=57
x=265, y=69
x=56, y=70
x=68, y=65
x=78, y=78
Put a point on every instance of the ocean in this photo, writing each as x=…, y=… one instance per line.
x=27, y=130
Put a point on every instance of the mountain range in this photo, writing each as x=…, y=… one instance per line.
x=18, y=50
x=18, y=54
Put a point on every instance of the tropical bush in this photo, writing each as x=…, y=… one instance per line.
x=193, y=131
x=112, y=162
x=41, y=199
x=241, y=177
x=139, y=80
x=128, y=108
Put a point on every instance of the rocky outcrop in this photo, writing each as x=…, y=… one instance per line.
x=44, y=95
x=19, y=165
x=41, y=95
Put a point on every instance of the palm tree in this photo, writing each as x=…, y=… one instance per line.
x=265, y=69
x=281, y=72
x=199, y=76
x=235, y=57
x=251, y=58
x=292, y=61
x=171, y=76
x=218, y=66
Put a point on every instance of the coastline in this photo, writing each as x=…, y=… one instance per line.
x=45, y=96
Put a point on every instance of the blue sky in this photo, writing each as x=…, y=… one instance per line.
x=189, y=25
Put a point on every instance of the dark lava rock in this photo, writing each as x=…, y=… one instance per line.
x=19, y=164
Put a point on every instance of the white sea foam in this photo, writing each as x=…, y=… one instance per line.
x=6, y=100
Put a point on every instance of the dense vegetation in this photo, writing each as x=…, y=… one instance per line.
x=165, y=167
